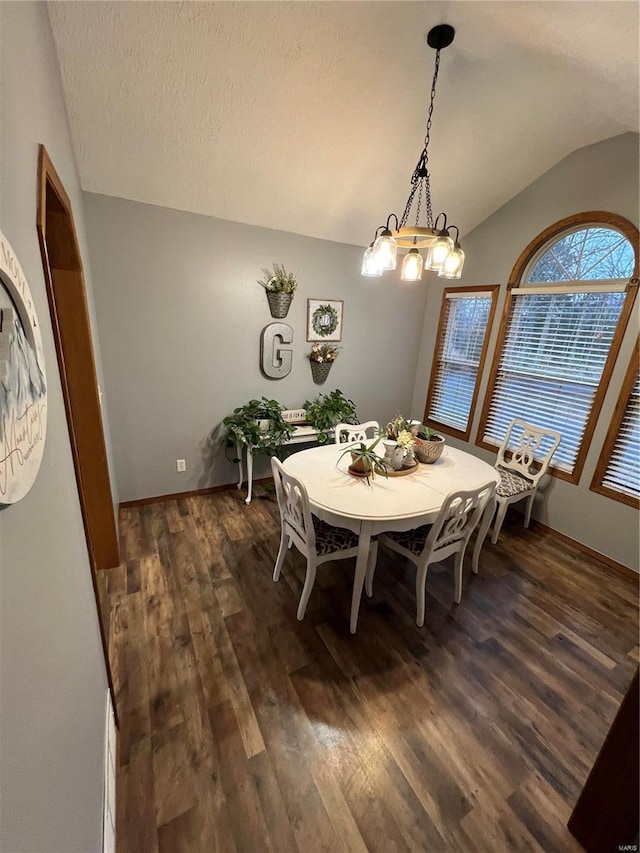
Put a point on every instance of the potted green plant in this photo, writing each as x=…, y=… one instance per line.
x=321, y=358
x=279, y=286
x=365, y=462
x=327, y=410
x=429, y=445
x=258, y=425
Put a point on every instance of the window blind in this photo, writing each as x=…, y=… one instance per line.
x=555, y=349
x=622, y=474
x=463, y=327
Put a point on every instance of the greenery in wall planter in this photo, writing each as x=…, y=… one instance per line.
x=258, y=425
x=280, y=286
x=327, y=410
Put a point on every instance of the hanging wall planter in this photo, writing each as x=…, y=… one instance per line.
x=321, y=358
x=320, y=372
x=279, y=303
x=279, y=286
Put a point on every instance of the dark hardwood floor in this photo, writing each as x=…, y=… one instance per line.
x=243, y=729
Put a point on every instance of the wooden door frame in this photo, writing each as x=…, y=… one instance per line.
x=93, y=488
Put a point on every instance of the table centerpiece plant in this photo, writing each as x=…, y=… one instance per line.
x=321, y=358
x=279, y=286
x=428, y=444
x=327, y=410
x=365, y=462
x=399, y=442
x=258, y=425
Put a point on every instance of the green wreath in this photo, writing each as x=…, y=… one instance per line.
x=319, y=323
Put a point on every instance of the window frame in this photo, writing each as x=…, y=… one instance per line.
x=516, y=281
x=492, y=290
x=612, y=434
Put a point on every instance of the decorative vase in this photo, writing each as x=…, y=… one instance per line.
x=429, y=451
x=393, y=453
x=320, y=371
x=279, y=303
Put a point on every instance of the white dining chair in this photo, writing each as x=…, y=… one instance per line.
x=431, y=543
x=317, y=540
x=347, y=433
x=522, y=462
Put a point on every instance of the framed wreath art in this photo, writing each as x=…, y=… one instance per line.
x=324, y=319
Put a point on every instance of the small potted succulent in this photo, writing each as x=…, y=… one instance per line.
x=365, y=462
x=429, y=445
x=321, y=358
x=279, y=286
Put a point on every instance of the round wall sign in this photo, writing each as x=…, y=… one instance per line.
x=23, y=383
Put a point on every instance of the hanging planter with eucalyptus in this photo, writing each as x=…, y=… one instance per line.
x=279, y=286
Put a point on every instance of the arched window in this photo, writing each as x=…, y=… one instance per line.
x=594, y=253
x=570, y=296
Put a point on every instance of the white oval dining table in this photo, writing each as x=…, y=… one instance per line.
x=393, y=503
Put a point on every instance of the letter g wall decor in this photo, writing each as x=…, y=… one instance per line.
x=275, y=360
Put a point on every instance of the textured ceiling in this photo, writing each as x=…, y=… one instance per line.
x=309, y=116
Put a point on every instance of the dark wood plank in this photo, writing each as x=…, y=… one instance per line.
x=243, y=729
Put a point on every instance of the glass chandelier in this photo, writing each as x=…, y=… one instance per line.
x=443, y=254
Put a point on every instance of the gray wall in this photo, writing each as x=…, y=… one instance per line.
x=52, y=676
x=600, y=177
x=180, y=316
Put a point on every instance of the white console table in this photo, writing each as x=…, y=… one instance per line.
x=302, y=435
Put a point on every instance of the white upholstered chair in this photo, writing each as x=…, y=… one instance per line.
x=356, y=432
x=449, y=534
x=318, y=541
x=523, y=459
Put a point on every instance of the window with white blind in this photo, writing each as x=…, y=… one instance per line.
x=465, y=320
x=617, y=474
x=561, y=334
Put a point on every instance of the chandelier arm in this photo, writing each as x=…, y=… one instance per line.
x=444, y=227
x=389, y=218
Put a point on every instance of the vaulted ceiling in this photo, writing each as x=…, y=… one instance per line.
x=309, y=116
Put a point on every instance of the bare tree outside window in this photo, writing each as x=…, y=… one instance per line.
x=590, y=254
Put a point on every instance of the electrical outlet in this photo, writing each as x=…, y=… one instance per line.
x=181, y=465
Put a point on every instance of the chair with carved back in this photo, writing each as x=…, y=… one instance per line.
x=348, y=433
x=523, y=459
x=317, y=540
x=431, y=543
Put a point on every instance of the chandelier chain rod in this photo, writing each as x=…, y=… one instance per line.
x=420, y=177
x=430, y=114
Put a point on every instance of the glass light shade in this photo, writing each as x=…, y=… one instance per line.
x=385, y=248
x=439, y=251
x=452, y=267
x=412, y=266
x=370, y=264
